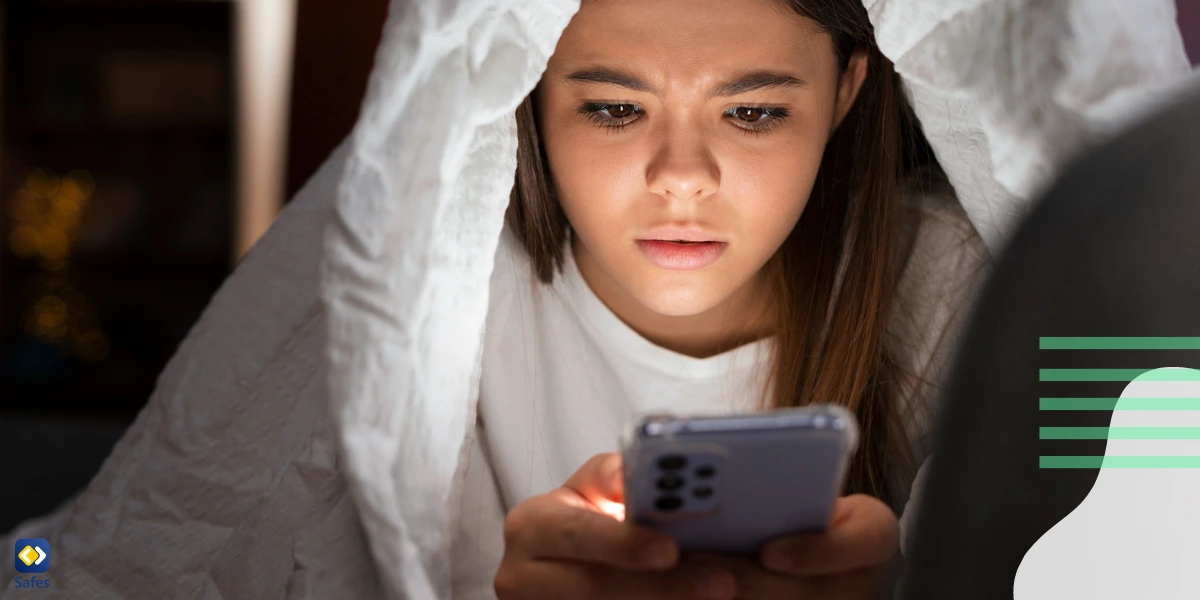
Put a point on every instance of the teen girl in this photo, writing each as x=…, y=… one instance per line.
x=719, y=207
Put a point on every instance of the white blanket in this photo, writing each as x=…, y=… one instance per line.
x=306, y=439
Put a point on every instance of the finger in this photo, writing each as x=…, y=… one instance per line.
x=861, y=584
x=547, y=527
x=757, y=583
x=864, y=533
x=599, y=480
x=535, y=580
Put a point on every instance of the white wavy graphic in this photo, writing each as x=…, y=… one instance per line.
x=1137, y=534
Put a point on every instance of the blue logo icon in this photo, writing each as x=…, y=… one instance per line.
x=32, y=555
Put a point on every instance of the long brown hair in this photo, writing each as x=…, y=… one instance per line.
x=834, y=276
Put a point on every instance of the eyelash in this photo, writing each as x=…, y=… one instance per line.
x=772, y=116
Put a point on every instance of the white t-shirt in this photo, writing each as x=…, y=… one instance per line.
x=563, y=376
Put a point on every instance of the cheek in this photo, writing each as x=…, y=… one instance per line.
x=593, y=185
x=773, y=191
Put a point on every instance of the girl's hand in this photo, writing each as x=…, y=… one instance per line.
x=572, y=543
x=849, y=561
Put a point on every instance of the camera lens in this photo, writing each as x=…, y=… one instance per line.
x=668, y=503
x=705, y=471
x=672, y=462
x=702, y=491
x=670, y=482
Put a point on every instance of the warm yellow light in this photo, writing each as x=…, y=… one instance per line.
x=46, y=213
x=50, y=312
x=42, y=183
x=24, y=241
x=69, y=194
x=24, y=206
x=92, y=346
x=265, y=36
x=615, y=510
x=53, y=244
x=83, y=182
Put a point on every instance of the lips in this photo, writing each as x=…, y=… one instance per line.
x=681, y=255
x=681, y=233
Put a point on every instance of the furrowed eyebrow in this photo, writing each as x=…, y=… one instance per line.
x=756, y=81
x=749, y=82
x=610, y=77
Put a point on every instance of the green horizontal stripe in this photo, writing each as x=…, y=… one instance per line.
x=1119, y=433
x=1117, y=375
x=1119, y=462
x=1126, y=404
x=1119, y=343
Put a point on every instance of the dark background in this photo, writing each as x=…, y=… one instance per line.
x=117, y=139
x=117, y=173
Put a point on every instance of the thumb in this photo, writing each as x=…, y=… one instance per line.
x=600, y=483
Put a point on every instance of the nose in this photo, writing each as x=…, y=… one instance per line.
x=683, y=167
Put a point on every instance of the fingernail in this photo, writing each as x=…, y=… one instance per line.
x=658, y=554
x=718, y=585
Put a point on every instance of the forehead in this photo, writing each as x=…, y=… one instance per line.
x=657, y=36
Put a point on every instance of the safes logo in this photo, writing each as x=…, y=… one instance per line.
x=31, y=555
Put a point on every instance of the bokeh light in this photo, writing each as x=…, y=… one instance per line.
x=92, y=346
x=51, y=312
x=24, y=241
x=42, y=183
x=53, y=244
x=46, y=214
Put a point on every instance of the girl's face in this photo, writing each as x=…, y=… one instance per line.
x=696, y=120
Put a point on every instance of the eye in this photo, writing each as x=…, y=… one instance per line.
x=611, y=116
x=750, y=119
x=757, y=119
x=751, y=114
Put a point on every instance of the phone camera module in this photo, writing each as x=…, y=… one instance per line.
x=670, y=482
x=668, y=503
x=705, y=471
x=672, y=462
x=702, y=491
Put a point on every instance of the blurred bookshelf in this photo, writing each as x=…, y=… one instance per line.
x=117, y=184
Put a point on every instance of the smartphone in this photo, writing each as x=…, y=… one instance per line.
x=728, y=484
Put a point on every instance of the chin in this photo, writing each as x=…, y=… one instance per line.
x=677, y=300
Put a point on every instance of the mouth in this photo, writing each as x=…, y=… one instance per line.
x=681, y=255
